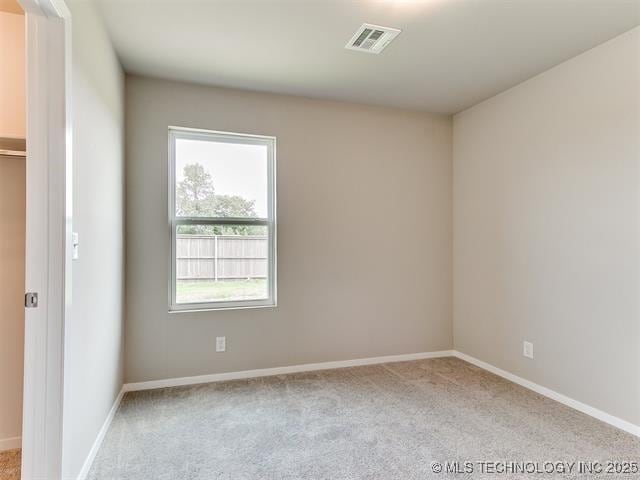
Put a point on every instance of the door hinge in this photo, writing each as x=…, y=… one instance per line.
x=31, y=300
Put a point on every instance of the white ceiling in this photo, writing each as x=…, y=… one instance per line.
x=450, y=55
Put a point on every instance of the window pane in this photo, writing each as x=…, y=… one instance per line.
x=221, y=263
x=220, y=179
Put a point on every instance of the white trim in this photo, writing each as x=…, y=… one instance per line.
x=553, y=395
x=269, y=372
x=175, y=133
x=10, y=443
x=47, y=8
x=84, y=471
x=47, y=233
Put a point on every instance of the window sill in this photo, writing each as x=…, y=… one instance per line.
x=218, y=309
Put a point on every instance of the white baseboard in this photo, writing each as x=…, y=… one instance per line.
x=558, y=397
x=10, y=443
x=269, y=372
x=84, y=471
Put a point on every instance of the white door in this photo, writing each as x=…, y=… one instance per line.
x=47, y=235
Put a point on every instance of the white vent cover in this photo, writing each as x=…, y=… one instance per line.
x=372, y=38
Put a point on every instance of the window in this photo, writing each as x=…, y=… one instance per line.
x=222, y=218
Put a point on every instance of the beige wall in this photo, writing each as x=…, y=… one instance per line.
x=12, y=227
x=547, y=228
x=94, y=329
x=349, y=176
x=11, y=6
x=12, y=240
x=12, y=75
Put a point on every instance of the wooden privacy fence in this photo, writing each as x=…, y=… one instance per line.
x=217, y=257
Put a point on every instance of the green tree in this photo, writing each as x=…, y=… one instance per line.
x=196, y=197
x=233, y=206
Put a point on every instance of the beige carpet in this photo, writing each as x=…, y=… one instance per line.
x=10, y=465
x=380, y=422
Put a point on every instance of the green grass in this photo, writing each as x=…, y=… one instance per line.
x=192, y=291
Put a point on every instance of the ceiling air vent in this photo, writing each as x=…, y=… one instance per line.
x=372, y=38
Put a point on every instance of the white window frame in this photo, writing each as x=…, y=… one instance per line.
x=270, y=221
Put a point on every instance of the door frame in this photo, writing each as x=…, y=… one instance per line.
x=48, y=232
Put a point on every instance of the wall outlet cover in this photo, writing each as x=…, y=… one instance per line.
x=527, y=349
x=221, y=344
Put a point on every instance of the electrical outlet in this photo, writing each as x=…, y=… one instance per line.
x=221, y=344
x=527, y=349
